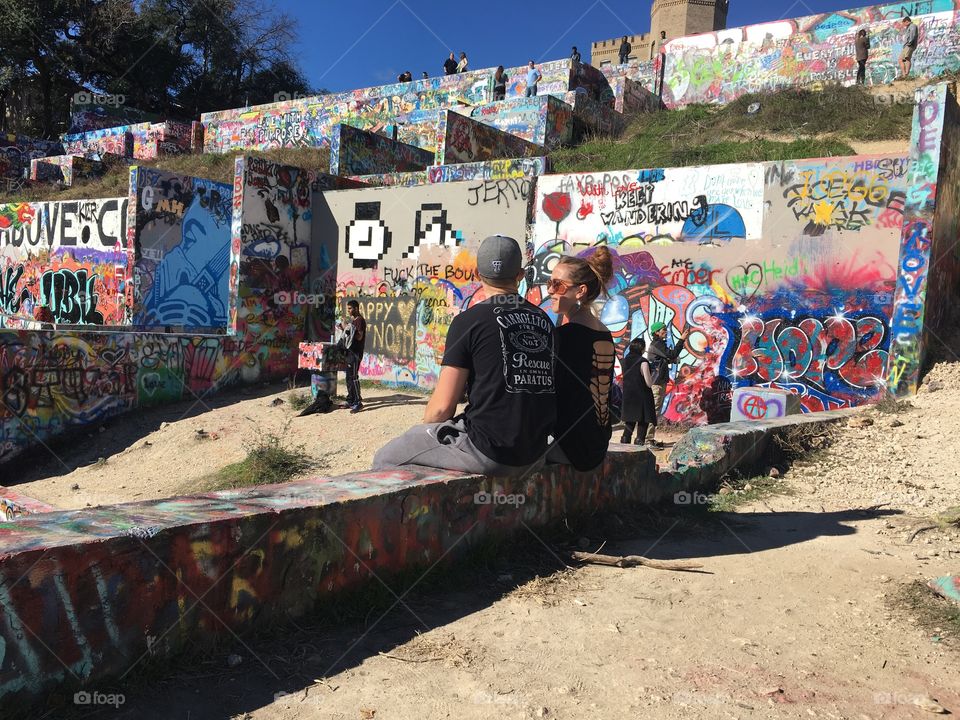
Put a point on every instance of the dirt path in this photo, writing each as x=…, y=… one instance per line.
x=793, y=616
x=169, y=451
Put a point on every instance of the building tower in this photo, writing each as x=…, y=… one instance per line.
x=675, y=17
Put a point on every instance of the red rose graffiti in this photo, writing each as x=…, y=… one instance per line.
x=557, y=206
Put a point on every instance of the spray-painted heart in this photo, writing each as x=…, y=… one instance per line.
x=745, y=280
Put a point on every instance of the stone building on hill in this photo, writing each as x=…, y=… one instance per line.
x=675, y=17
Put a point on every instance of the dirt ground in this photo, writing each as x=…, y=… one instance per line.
x=794, y=614
x=171, y=450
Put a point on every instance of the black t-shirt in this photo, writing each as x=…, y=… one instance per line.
x=507, y=344
x=358, y=337
x=585, y=359
x=450, y=66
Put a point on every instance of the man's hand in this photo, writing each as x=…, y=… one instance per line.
x=449, y=391
x=685, y=334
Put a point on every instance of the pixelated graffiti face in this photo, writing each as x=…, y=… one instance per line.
x=419, y=243
x=368, y=239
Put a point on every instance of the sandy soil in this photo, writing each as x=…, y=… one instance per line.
x=793, y=615
x=171, y=450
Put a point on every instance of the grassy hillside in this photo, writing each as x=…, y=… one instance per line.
x=212, y=167
x=790, y=124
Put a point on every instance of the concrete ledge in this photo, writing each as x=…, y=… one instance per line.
x=86, y=594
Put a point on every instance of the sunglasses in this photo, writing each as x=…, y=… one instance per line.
x=558, y=286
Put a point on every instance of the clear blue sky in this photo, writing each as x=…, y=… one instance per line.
x=351, y=44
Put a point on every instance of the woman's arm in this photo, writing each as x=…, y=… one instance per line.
x=647, y=377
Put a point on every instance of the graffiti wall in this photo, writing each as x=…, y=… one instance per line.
x=64, y=262
x=783, y=273
x=65, y=169
x=718, y=67
x=95, y=144
x=542, y=120
x=467, y=140
x=943, y=285
x=417, y=244
x=491, y=170
x=16, y=152
x=920, y=234
x=360, y=152
x=183, y=263
x=272, y=232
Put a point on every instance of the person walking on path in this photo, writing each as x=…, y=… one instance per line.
x=450, y=65
x=501, y=351
x=463, y=64
x=354, y=340
x=637, y=411
x=585, y=360
x=661, y=358
x=500, y=79
x=533, y=77
x=862, y=43
x=911, y=38
x=625, y=49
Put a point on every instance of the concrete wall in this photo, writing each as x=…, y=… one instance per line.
x=719, y=67
x=183, y=263
x=64, y=262
x=360, y=152
x=926, y=252
x=95, y=144
x=110, y=586
x=783, y=272
x=16, y=152
x=65, y=169
x=543, y=120
x=416, y=245
x=491, y=170
x=91, y=111
x=467, y=140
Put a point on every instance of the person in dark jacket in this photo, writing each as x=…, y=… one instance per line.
x=637, y=411
x=625, y=48
x=500, y=79
x=450, y=65
x=661, y=358
x=862, y=43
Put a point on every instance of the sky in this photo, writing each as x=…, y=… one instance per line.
x=352, y=44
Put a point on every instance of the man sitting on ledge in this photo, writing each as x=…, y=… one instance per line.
x=501, y=351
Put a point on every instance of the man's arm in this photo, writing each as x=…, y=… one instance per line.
x=449, y=391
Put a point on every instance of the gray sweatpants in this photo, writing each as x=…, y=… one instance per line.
x=452, y=450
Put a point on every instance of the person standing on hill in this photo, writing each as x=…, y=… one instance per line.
x=463, y=65
x=661, y=358
x=500, y=79
x=625, y=48
x=862, y=43
x=911, y=39
x=450, y=65
x=533, y=77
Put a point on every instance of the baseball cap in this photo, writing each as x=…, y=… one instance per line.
x=499, y=258
x=656, y=327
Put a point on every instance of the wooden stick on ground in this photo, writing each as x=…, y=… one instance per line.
x=627, y=561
